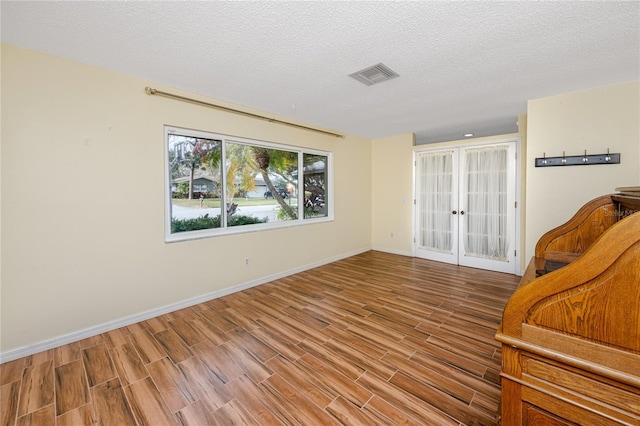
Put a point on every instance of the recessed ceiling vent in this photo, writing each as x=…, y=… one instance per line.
x=374, y=75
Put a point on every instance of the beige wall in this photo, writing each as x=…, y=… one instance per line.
x=83, y=202
x=392, y=194
x=82, y=198
x=522, y=164
x=596, y=119
x=1, y=127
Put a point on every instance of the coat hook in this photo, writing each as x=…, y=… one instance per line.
x=585, y=159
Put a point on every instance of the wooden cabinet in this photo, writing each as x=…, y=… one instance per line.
x=571, y=338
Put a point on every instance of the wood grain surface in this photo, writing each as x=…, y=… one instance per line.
x=372, y=339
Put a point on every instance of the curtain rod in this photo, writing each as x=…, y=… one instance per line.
x=152, y=91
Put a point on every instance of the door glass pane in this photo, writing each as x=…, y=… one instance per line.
x=194, y=165
x=436, y=201
x=260, y=184
x=485, y=232
x=315, y=185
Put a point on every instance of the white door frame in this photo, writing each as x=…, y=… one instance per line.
x=512, y=268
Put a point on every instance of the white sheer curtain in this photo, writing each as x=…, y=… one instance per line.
x=436, y=178
x=485, y=183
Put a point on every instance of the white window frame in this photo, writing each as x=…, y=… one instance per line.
x=224, y=230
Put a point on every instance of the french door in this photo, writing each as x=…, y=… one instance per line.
x=465, y=211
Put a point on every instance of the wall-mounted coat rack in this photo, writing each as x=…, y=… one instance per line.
x=578, y=160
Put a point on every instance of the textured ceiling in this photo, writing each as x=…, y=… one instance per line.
x=464, y=66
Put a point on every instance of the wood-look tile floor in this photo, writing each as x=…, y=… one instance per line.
x=372, y=339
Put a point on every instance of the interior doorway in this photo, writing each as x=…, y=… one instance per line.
x=465, y=205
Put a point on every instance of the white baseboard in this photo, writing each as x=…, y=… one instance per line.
x=142, y=316
x=388, y=250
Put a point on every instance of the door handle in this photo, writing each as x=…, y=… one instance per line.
x=461, y=212
x=454, y=212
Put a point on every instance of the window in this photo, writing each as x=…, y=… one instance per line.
x=220, y=184
x=315, y=178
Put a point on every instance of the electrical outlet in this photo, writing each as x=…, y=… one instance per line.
x=246, y=261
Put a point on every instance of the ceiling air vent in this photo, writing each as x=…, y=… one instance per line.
x=374, y=75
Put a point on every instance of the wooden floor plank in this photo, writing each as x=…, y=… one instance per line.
x=173, y=345
x=347, y=413
x=189, y=334
x=196, y=414
x=299, y=408
x=372, y=339
x=277, y=344
x=209, y=330
x=334, y=380
x=37, y=388
x=67, y=353
x=128, y=364
x=423, y=373
x=11, y=371
x=116, y=337
x=148, y=348
x=110, y=404
x=71, y=387
x=81, y=416
x=234, y=413
x=39, y=358
x=446, y=357
x=9, y=394
x=219, y=361
x=309, y=386
x=388, y=413
x=45, y=416
x=443, y=401
x=147, y=405
x=253, y=400
x=244, y=358
x=173, y=385
x=98, y=365
x=333, y=359
x=405, y=401
x=209, y=387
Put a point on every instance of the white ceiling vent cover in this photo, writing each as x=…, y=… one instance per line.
x=375, y=74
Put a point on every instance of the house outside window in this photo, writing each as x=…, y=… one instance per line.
x=218, y=184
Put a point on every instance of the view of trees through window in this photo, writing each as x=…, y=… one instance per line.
x=217, y=183
x=315, y=182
